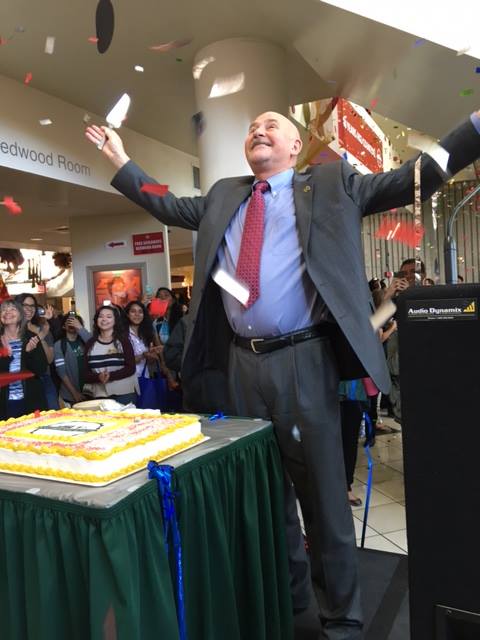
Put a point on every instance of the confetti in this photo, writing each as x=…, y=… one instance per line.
x=418, y=42
x=466, y=92
x=460, y=52
x=231, y=285
x=432, y=148
x=373, y=103
x=139, y=68
x=227, y=86
x=45, y=122
x=9, y=377
x=87, y=118
x=28, y=78
x=158, y=307
x=154, y=189
x=93, y=39
x=178, y=59
x=406, y=232
x=477, y=69
x=50, y=44
x=3, y=41
x=296, y=434
x=13, y=207
x=198, y=68
x=168, y=46
x=20, y=29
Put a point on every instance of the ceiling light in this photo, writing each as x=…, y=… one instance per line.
x=36, y=239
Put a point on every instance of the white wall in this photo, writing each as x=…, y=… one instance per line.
x=88, y=249
x=61, y=151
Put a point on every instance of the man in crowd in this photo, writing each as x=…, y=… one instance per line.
x=295, y=241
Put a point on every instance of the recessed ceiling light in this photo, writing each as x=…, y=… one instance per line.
x=36, y=239
x=62, y=228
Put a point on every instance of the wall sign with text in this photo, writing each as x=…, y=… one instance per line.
x=148, y=243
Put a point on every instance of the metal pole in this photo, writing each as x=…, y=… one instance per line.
x=449, y=245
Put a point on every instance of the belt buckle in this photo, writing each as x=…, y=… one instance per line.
x=252, y=344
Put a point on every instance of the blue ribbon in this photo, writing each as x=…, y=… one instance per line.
x=163, y=474
x=217, y=416
x=368, y=436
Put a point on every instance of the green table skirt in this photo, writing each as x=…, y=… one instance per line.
x=68, y=572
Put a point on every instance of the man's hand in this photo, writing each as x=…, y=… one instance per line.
x=396, y=286
x=109, y=142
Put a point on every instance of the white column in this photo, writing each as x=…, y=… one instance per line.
x=227, y=118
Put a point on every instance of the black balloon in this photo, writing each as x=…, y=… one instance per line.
x=105, y=22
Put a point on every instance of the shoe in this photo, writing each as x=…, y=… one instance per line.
x=355, y=502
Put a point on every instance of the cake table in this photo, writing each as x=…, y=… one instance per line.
x=90, y=563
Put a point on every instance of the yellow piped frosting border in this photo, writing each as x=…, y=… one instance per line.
x=90, y=478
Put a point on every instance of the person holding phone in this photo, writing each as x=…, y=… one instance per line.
x=70, y=357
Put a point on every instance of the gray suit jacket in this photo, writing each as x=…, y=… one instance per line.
x=330, y=201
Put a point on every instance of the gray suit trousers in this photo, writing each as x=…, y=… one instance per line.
x=296, y=387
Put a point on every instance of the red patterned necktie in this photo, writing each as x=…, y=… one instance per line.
x=248, y=265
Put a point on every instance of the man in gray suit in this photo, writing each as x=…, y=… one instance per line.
x=280, y=357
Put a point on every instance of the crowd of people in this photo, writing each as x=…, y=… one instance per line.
x=59, y=362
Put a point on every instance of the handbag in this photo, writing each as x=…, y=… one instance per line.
x=153, y=391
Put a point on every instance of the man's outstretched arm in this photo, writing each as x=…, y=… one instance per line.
x=129, y=179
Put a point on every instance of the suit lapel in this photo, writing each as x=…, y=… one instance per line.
x=220, y=222
x=303, y=198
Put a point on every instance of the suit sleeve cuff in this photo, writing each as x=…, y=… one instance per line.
x=475, y=118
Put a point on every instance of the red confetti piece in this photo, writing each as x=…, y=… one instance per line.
x=3, y=41
x=13, y=207
x=400, y=231
x=36, y=413
x=93, y=39
x=158, y=307
x=28, y=78
x=373, y=103
x=155, y=189
x=9, y=378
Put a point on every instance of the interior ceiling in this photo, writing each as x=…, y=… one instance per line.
x=329, y=52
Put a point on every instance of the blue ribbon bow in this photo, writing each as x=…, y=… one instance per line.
x=368, y=438
x=217, y=416
x=163, y=474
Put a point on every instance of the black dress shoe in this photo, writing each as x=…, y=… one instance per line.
x=355, y=502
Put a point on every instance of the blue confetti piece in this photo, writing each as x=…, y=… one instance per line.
x=477, y=69
x=419, y=42
x=217, y=416
x=345, y=156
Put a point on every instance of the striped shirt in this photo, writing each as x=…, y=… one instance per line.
x=15, y=390
x=110, y=356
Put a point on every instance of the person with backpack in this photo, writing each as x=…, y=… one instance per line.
x=70, y=357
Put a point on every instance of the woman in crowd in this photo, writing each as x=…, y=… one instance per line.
x=20, y=350
x=70, y=357
x=110, y=363
x=174, y=312
x=146, y=345
x=37, y=322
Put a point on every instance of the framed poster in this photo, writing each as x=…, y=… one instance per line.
x=120, y=284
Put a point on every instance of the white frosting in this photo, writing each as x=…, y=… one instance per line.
x=104, y=467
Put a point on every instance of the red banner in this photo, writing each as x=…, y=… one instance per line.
x=357, y=138
x=147, y=243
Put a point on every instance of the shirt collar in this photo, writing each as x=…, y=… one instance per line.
x=279, y=180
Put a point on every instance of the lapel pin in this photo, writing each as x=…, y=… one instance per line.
x=307, y=188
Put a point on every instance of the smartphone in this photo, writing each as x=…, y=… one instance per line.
x=72, y=314
x=41, y=311
x=400, y=274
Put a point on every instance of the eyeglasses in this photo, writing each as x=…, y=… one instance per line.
x=28, y=306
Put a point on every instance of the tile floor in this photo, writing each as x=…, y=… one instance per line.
x=386, y=528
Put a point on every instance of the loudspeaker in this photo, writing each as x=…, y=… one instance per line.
x=439, y=349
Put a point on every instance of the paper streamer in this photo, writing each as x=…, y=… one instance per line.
x=417, y=215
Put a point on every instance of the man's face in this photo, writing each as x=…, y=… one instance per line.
x=272, y=144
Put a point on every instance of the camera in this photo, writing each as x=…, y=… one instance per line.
x=72, y=314
x=41, y=311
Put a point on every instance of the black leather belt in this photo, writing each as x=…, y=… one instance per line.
x=265, y=345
